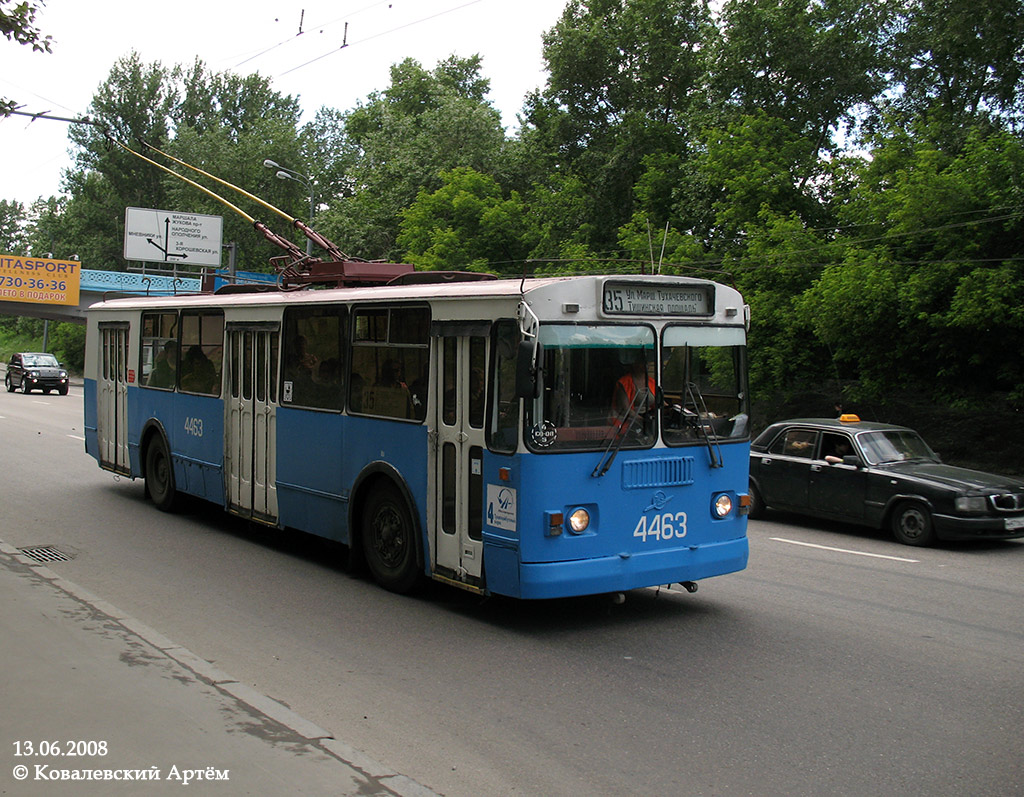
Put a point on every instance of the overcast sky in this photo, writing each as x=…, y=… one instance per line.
x=89, y=36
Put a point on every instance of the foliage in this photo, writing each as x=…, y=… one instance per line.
x=853, y=165
x=13, y=237
x=400, y=142
x=17, y=24
x=465, y=225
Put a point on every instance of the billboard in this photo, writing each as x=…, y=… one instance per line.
x=39, y=280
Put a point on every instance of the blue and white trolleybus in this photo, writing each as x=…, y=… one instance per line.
x=534, y=438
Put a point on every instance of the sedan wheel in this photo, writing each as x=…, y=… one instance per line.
x=8, y=383
x=912, y=524
x=756, y=503
x=24, y=386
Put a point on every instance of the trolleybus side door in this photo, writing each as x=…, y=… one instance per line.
x=111, y=398
x=250, y=453
x=458, y=517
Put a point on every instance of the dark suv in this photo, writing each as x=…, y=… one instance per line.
x=35, y=371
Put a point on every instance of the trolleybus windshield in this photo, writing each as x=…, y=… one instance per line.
x=601, y=382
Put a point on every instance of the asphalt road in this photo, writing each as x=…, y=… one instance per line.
x=838, y=663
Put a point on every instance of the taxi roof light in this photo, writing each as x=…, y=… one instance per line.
x=849, y=417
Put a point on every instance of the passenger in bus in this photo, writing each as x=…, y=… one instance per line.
x=391, y=375
x=198, y=374
x=328, y=385
x=163, y=371
x=301, y=369
x=418, y=390
x=391, y=393
x=355, y=391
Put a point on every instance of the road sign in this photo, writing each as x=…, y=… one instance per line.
x=166, y=236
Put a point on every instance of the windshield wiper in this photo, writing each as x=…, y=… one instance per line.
x=622, y=428
x=703, y=424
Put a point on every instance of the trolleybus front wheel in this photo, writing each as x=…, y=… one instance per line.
x=160, y=475
x=389, y=540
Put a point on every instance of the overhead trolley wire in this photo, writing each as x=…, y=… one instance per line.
x=378, y=35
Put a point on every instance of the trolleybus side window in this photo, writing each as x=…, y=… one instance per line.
x=315, y=347
x=201, y=358
x=159, y=350
x=390, y=349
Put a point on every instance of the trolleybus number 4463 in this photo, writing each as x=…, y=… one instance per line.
x=666, y=526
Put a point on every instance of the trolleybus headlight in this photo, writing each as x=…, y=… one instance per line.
x=723, y=505
x=579, y=520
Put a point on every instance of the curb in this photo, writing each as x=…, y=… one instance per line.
x=401, y=785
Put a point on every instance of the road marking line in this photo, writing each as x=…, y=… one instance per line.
x=844, y=550
x=76, y=437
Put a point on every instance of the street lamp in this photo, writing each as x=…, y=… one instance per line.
x=284, y=173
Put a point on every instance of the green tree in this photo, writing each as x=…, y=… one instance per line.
x=624, y=82
x=223, y=123
x=12, y=227
x=399, y=143
x=228, y=125
x=810, y=64
x=959, y=63
x=932, y=253
x=135, y=103
x=18, y=24
x=466, y=225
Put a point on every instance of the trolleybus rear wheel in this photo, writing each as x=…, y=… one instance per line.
x=160, y=475
x=389, y=540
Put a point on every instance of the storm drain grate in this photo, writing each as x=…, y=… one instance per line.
x=45, y=553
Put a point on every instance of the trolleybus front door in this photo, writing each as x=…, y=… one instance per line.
x=111, y=398
x=251, y=424
x=458, y=527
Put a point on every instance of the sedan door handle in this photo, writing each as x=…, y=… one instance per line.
x=816, y=468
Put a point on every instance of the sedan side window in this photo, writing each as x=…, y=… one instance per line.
x=835, y=446
x=795, y=443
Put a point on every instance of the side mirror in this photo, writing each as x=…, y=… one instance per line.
x=527, y=369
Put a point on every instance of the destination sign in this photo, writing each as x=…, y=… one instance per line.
x=635, y=299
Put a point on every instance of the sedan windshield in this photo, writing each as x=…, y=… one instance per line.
x=898, y=445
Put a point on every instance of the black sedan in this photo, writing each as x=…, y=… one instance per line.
x=879, y=475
